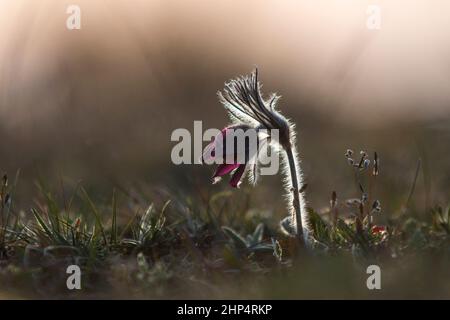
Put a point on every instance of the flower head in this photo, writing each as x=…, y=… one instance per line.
x=246, y=107
x=248, y=111
x=225, y=151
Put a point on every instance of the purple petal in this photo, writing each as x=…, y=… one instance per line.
x=237, y=175
x=224, y=169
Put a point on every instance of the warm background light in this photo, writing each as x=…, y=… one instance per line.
x=139, y=69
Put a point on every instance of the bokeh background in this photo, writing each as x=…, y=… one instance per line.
x=99, y=104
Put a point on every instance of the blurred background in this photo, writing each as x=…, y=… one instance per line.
x=99, y=104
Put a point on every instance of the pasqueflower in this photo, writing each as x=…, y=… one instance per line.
x=247, y=108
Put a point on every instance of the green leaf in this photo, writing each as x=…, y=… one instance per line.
x=346, y=232
x=321, y=230
x=235, y=237
x=51, y=233
x=258, y=233
x=98, y=221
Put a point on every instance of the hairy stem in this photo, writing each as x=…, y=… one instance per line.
x=296, y=193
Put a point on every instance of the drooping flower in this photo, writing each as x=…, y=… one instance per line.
x=246, y=107
x=229, y=156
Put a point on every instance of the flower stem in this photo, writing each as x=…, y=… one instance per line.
x=296, y=191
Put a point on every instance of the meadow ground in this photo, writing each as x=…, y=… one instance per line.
x=189, y=239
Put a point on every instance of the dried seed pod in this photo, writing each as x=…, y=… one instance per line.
x=376, y=206
x=364, y=197
x=348, y=153
x=366, y=164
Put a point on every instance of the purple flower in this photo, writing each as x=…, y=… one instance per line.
x=229, y=161
x=247, y=107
